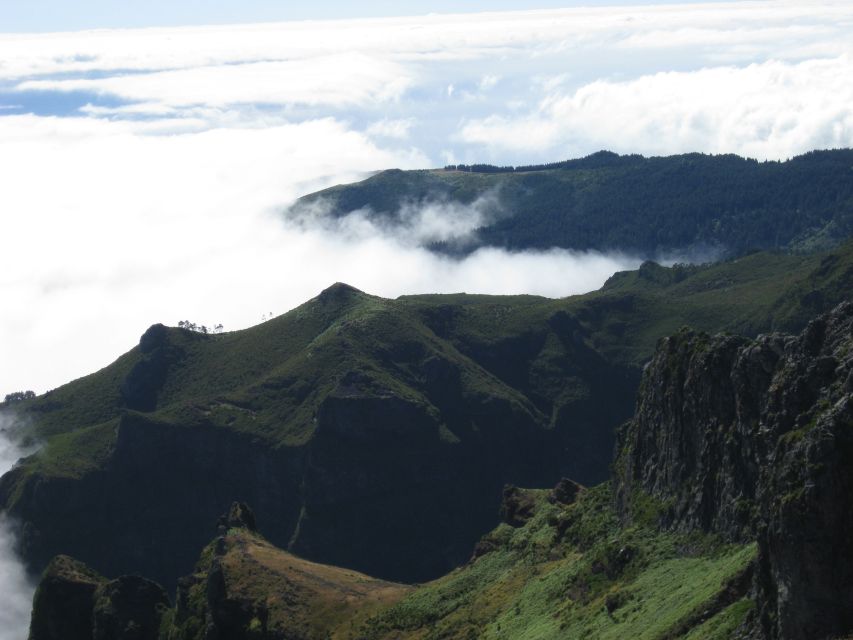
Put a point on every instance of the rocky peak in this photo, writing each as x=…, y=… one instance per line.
x=753, y=439
x=517, y=506
x=565, y=492
x=338, y=293
x=239, y=516
x=142, y=385
x=64, y=601
x=73, y=602
x=155, y=336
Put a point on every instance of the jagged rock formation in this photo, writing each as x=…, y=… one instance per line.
x=75, y=603
x=64, y=601
x=755, y=439
x=243, y=588
x=517, y=506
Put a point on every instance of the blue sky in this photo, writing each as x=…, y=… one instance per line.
x=61, y=15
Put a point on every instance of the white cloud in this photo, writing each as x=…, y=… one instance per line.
x=488, y=81
x=415, y=224
x=16, y=587
x=777, y=27
x=329, y=80
x=136, y=229
x=107, y=227
x=396, y=129
x=771, y=110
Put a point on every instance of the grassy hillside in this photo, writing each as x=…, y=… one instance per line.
x=630, y=203
x=560, y=570
x=266, y=592
x=571, y=571
x=372, y=433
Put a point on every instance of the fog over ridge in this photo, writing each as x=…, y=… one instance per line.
x=16, y=586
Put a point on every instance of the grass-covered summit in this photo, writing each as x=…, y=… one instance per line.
x=689, y=204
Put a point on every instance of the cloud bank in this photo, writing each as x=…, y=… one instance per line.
x=145, y=171
x=16, y=587
x=137, y=229
x=771, y=110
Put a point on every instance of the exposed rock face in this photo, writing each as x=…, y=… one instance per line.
x=239, y=516
x=140, y=388
x=149, y=510
x=129, y=608
x=243, y=588
x=64, y=601
x=75, y=603
x=517, y=507
x=755, y=439
x=686, y=444
x=566, y=492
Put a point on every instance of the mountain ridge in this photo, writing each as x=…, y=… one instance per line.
x=690, y=204
x=767, y=457
x=350, y=407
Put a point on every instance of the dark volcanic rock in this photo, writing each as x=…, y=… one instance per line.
x=240, y=516
x=566, y=492
x=805, y=583
x=64, y=601
x=75, y=603
x=143, y=383
x=128, y=608
x=754, y=439
x=517, y=507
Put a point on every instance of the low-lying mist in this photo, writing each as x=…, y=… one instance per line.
x=16, y=587
x=416, y=223
x=180, y=230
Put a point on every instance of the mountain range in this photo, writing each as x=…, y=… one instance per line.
x=357, y=461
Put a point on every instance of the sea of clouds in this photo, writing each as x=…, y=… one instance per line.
x=145, y=172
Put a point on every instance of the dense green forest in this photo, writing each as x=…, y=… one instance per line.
x=692, y=204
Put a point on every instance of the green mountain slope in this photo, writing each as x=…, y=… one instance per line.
x=369, y=433
x=724, y=519
x=649, y=206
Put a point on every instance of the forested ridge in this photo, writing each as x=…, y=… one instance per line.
x=723, y=204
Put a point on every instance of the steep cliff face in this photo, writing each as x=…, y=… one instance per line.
x=144, y=509
x=73, y=602
x=754, y=439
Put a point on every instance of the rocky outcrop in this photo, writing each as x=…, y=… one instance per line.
x=129, y=608
x=565, y=492
x=243, y=588
x=517, y=506
x=64, y=601
x=238, y=516
x=75, y=603
x=754, y=440
x=141, y=386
